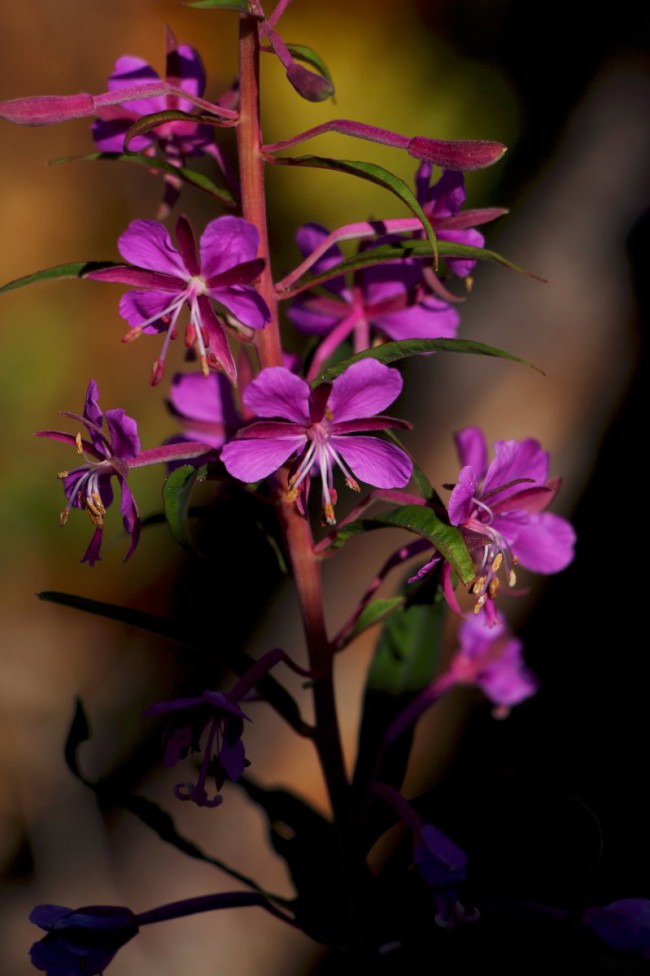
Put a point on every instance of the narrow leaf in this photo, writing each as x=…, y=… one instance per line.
x=391, y=352
x=389, y=253
x=308, y=56
x=446, y=538
x=176, y=497
x=404, y=663
x=75, y=269
x=152, y=121
x=222, y=651
x=374, y=613
x=374, y=174
x=163, y=824
x=78, y=733
x=189, y=176
x=242, y=6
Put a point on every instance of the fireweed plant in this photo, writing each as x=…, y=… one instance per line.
x=291, y=432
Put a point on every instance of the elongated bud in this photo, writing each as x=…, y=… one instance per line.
x=47, y=109
x=463, y=154
x=313, y=87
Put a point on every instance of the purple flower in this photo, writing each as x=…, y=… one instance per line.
x=185, y=71
x=491, y=658
x=171, y=278
x=441, y=862
x=80, y=942
x=623, y=925
x=111, y=450
x=391, y=299
x=315, y=429
x=499, y=508
x=223, y=719
x=204, y=408
x=112, y=445
x=442, y=204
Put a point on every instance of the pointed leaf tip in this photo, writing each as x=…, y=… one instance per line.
x=462, y=154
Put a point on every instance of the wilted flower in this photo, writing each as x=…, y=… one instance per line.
x=189, y=718
x=82, y=941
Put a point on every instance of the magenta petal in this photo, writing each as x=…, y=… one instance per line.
x=461, y=499
x=227, y=242
x=471, y=447
x=140, y=306
x=517, y=459
x=461, y=266
x=312, y=321
x=187, y=67
x=277, y=392
x=244, y=303
x=92, y=410
x=218, y=348
x=365, y=388
x=251, y=460
x=430, y=319
x=545, y=544
x=123, y=433
x=375, y=461
x=147, y=244
x=507, y=681
x=196, y=397
x=91, y=555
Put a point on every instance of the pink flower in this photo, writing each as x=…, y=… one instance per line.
x=315, y=428
x=171, y=278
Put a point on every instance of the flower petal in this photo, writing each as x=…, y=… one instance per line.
x=123, y=432
x=516, y=459
x=140, y=306
x=471, y=447
x=208, y=400
x=147, y=244
x=430, y=319
x=461, y=266
x=461, y=499
x=227, y=242
x=277, y=392
x=244, y=303
x=374, y=461
x=365, y=388
x=251, y=460
x=545, y=544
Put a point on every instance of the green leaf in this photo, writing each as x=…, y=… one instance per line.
x=163, y=824
x=308, y=56
x=222, y=651
x=389, y=253
x=78, y=733
x=374, y=613
x=176, y=492
x=424, y=522
x=446, y=538
x=374, y=174
x=154, y=119
x=404, y=663
x=189, y=176
x=408, y=650
x=392, y=352
x=242, y=6
x=75, y=269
